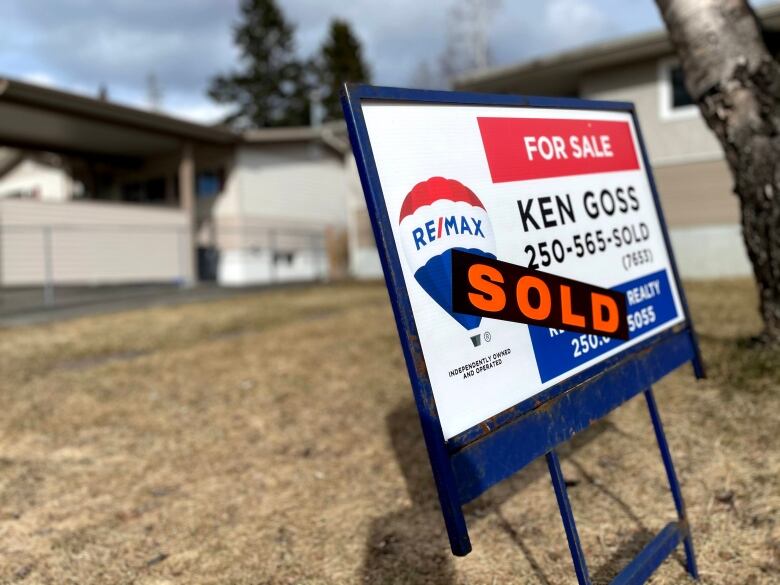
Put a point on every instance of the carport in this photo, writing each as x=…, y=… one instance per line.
x=44, y=119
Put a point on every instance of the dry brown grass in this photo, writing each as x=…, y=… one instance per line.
x=272, y=439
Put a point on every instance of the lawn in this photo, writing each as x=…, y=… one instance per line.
x=272, y=438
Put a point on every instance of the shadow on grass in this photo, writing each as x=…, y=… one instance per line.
x=739, y=365
x=409, y=546
x=621, y=557
x=628, y=549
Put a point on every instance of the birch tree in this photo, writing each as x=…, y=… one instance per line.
x=735, y=81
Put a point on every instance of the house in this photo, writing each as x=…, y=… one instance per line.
x=282, y=212
x=363, y=255
x=93, y=192
x=692, y=177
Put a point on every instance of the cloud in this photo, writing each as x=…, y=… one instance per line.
x=524, y=32
x=82, y=44
x=39, y=78
x=205, y=113
x=119, y=42
x=396, y=35
x=575, y=21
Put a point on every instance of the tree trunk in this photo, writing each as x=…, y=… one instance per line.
x=734, y=79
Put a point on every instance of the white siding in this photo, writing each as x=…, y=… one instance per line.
x=31, y=178
x=260, y=266
x=280, y=208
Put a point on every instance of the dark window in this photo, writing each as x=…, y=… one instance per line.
x=284, y=257
x=103, y=184
x=772, y=40
x=155, y=190
x=132, y=192
x=150, y=191
x=680, y=95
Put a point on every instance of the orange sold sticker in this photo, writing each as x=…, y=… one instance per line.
x=491, y=288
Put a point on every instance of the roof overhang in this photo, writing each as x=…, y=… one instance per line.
x=47, y=119
x=560, y=74
x=331, y=134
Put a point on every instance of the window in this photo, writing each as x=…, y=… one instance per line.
x=680, y=95
x=674, y=100
x=209, y=183
x=146, y=191
x=284, y=258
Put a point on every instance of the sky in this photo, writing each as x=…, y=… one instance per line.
x=79, y=45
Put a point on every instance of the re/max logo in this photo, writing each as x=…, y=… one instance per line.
x=445, y=226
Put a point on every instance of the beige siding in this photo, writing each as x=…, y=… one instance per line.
x=305, y=183
x=91, y=243
x=710, y=251
x=364, y=234
x=674, y=140
x=363, y=254
x=693, y=180
x=697, y=194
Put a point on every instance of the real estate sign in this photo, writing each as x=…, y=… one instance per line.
x=529, y=268
x=561, y=190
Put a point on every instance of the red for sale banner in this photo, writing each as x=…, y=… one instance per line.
x=519, y=149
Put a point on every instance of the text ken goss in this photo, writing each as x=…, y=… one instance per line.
x=553, y=210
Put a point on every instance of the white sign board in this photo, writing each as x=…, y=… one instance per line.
x=562, y=190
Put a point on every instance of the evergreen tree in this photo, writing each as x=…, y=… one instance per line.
x=270, y=87
x=340, y=61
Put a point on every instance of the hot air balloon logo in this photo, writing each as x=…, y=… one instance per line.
x=437, y=216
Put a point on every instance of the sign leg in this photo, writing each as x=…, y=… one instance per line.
x=559, y=485
x=674, y=484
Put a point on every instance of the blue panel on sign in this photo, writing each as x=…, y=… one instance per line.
x=650, y=304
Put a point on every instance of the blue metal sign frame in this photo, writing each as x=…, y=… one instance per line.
x=469, y=463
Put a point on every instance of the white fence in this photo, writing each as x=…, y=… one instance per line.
x=91, y=243
x=63, y=253
x=93, y=255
